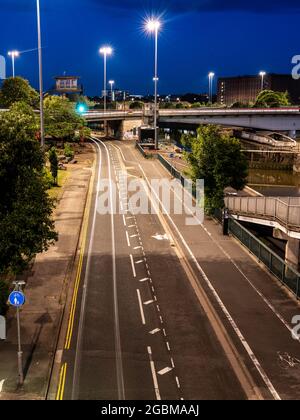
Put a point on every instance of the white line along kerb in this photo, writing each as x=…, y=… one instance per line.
x=245, y=344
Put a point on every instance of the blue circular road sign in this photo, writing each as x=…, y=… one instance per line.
x=17, y=299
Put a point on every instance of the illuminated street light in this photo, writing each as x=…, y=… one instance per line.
x=111, y=83
x=105, y=51
x=38, y=14
x=262, y=75
x=153, y=25
x=211, y=76
x=13, y=55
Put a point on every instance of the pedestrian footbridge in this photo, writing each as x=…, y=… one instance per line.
x=281, y=212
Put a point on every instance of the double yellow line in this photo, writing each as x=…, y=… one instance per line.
x=80, y=263
x=62, y=382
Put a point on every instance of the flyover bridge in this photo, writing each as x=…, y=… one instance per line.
x=275, y=119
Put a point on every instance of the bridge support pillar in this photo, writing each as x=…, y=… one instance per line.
x=296, y=166
x=129, y=128
x=292, y=249
x=292, y=252
x=292, y=134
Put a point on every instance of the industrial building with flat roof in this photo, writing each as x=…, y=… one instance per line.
x=244, y=89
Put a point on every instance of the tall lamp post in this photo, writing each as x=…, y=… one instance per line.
x=153, y=26
x=40, y=73
x=13, y=55
x=262, y=75
x=111, y=83
x=210, y=86
x=105, y=51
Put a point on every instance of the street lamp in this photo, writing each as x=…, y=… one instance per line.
x=153, y=26
x=40, y=73
x=105, y=51
x=211, y=76
x=13, y=55
x=262, y=75
x=112, y=82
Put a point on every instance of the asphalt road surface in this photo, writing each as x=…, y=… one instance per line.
x=161, y=311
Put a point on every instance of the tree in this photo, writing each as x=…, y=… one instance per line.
x=53, y=159
x=136, y=105
x=26, y=226
x=18, y=90
x=61, y=118
x=271, y=99
x=218, y=159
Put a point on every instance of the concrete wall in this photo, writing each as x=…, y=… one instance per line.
x=292, y=249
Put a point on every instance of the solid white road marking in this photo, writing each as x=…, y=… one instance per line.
x=132, y=265
x=124, y=221
x=242, y=339
x=178, y=383
x=164, y=371
x=127, y=237
x=118, y=348
x=154, y=377
x=141, y=307
x=270, y=306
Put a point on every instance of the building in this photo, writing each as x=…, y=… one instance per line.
x=244, y=89
x=67, y=85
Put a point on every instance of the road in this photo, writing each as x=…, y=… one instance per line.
x=161, y=311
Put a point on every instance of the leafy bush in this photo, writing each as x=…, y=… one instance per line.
x=68, y=151
x=48, y=178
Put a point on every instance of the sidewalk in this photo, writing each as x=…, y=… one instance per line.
x=45, y=292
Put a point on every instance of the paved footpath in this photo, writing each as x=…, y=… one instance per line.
x=46, y=292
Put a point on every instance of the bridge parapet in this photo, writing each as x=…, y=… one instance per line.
x=285, y=211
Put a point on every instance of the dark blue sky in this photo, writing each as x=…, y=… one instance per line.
x=228, y=37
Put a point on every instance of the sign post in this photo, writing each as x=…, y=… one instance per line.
x=17, y=299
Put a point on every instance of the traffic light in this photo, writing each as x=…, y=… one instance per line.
x=81, y=108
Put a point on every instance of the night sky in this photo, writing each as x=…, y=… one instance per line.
x=230, y=37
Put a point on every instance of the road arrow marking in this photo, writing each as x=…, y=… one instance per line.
x=159, y=237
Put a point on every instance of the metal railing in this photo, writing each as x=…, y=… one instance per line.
x=276, y=265
x=140, y=149
x=286, y=211
x=176, y=174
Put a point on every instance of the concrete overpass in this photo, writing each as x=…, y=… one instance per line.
x=277, y=119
